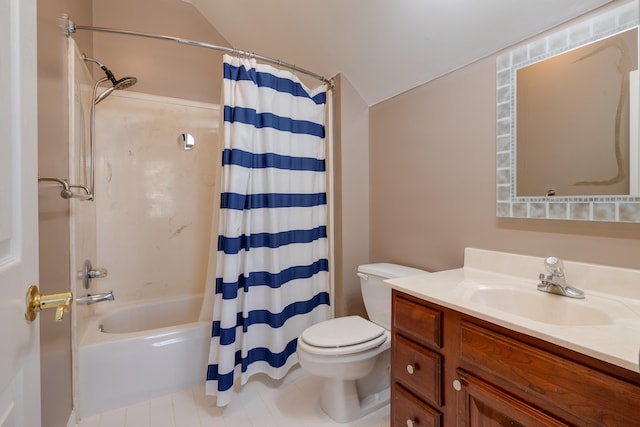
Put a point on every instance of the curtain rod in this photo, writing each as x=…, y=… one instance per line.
x=70, y=27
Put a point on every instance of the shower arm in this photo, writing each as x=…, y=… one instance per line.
x=70, y=27
x=103, y=67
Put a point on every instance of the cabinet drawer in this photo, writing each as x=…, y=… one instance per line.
x=418, y=369
x=421, y=323
x=406, y=407
x=575, y=390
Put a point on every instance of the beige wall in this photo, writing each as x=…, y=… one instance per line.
x=53, y=152
x=162, y=67
x=351, y=174
x=433, y=184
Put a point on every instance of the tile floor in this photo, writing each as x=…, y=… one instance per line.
x=262, y=402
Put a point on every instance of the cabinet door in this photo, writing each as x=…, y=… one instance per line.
x=481, y=405
x=578, y=393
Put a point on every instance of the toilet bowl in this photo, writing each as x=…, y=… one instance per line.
x=351, y=353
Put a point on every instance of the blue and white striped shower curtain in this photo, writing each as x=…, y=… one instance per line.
x=272, y=271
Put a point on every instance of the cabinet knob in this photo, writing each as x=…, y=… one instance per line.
x=411, y=369
x=410, y=423
x=457, y=385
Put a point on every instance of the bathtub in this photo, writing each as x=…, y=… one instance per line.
x=135, y=352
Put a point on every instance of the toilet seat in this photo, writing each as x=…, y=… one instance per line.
x=342, y=335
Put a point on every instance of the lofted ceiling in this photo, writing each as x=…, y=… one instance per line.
x=384, y=47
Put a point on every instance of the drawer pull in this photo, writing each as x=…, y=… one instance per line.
x=457, y=385
x=411, y=369
x=410, y=423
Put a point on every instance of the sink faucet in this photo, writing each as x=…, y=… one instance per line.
x=554, y=280
x=92, y=299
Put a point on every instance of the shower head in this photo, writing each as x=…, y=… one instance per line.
x=123, y=83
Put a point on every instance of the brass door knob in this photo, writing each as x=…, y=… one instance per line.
x=36, y=302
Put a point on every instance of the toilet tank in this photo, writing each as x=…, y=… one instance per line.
x=377, y=295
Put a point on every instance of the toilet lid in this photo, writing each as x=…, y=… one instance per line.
x=342, y=332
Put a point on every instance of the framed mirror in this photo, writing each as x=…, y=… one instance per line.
x=567, y=123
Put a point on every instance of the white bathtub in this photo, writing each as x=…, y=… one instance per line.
x=137, y=352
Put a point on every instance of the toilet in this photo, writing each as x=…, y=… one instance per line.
x=351, y=353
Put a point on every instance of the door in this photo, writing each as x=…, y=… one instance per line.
x=19, y=339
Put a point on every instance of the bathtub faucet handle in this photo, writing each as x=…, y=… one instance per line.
x=97, y=273
x=88, y=273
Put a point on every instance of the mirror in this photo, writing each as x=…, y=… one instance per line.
x=572, y=132
x=567, y=140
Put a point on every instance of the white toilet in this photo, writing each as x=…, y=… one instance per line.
x=352, y=353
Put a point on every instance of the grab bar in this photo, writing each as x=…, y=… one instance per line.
x=67, y=192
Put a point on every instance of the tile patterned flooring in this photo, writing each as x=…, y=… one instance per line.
x=262, y=402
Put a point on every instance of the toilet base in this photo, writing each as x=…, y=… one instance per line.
x=341, y=402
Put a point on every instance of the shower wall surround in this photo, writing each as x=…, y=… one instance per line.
x=82, y=225
x=154, y=200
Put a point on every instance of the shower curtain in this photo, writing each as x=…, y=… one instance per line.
x=272, y=267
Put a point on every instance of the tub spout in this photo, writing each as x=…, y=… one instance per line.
x=92, y=299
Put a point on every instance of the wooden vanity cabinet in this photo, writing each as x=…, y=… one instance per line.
x=450, y=369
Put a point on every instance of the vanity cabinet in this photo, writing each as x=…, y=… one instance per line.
x=451, y=369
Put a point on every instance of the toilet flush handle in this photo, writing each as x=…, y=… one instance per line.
x=363, y=276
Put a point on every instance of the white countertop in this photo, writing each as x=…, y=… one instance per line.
x=610, y=291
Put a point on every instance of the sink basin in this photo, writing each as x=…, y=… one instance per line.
x=541, y=306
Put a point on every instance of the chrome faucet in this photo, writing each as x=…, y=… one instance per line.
x=554, y=280
x=92, y=299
